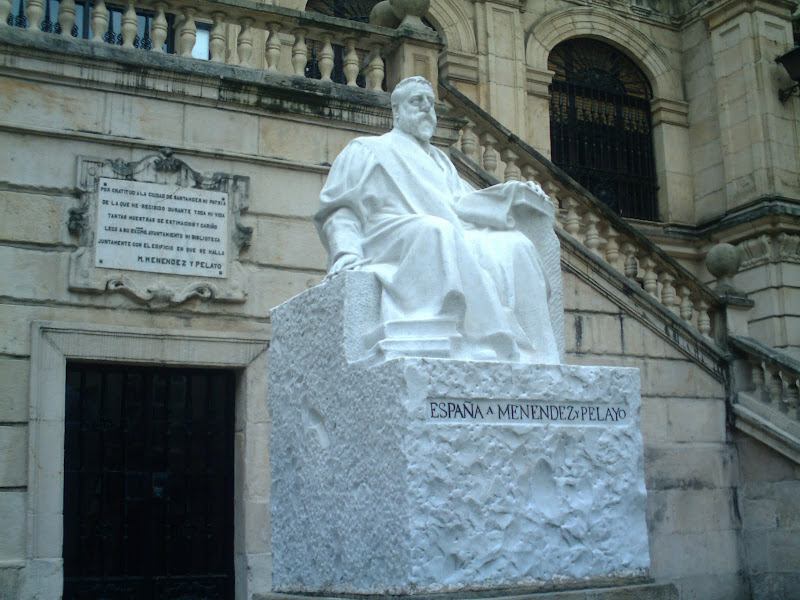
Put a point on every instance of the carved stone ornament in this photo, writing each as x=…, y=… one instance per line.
x=158, y=289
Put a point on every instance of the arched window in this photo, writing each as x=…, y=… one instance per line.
x=600, y=129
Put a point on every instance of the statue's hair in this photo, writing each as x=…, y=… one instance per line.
x=400, y=91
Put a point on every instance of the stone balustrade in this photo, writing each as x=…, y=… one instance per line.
x=505, y=157
x=294, y=42
x=771, y=378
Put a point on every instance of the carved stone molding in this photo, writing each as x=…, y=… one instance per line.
x=156, y=290
x=755, y=251
x=766, y=248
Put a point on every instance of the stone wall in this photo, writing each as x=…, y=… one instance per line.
x=769, y=489
x=218, y=118
x=51, y=113
x=690, y=462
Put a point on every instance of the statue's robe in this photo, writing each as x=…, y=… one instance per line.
x=396, y=205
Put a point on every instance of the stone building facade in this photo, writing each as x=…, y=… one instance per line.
x=719, y=372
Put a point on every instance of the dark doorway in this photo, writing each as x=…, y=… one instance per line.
x=600, y=130
x=148, y=483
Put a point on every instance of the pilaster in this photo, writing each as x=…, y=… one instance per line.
x=759, y=134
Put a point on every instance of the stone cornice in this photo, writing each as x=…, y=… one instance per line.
x=769, y=214
x=721, y=12
x=108, y=67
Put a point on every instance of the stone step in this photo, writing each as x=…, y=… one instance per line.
x=634, y=591
x=429, y=346
x=411, y=329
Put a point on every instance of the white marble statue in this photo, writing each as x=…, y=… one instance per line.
x=457, y=278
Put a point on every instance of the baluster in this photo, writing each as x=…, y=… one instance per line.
x=786, y=384
x=244, y=41
x=687, y=309
x=774, y=387
x=469, y=141
x=792, y=398
x=35, y=10
x=350, y=61
x=552, y=189
x=5, y=10
x=489, y=153
x=66, y=17
x=187, y=32
x=217, y=39
x=273, y=53
x=650, y=283
x=592, y=238
x=572, y=220
x=757, y=378
x=130, y=25
x=631, y=265
x=511, y=172
x=703, y=320
x=668, y=296
x=99, y=20
x=529, y=173
x=325, y=58
x=376, y=69
x=159, y=28
x=612, y=247
x=300, y=52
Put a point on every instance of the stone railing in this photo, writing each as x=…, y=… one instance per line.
x=772, y=378
x=766, y=401
x=237, y=32
x=506, y=157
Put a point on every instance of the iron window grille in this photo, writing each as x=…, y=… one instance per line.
x=600, y=128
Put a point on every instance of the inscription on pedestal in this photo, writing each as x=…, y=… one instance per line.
x=161, y=228
x=523, y=412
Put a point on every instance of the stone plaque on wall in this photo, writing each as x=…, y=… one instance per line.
x=161, y=228
x=158, y=231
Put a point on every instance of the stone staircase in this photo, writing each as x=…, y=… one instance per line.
x=764, y=383
x=765, y=401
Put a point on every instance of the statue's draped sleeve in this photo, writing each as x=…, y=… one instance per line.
x=340, y=218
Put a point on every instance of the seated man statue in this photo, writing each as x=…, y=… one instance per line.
x=456, y=279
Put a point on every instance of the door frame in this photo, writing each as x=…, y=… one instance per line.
x=52, y=344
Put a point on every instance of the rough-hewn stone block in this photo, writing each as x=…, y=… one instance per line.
x=286, y=243
x=13, y=456
x=14, y=374
x=293, y=193
x=688, y=466
x=674, y=378
x=695, y=419
x=34, y=218
x=12, y=516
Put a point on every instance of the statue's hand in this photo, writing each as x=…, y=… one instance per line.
x=345, y=262
x=537, y=189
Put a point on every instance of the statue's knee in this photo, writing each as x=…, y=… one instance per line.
x=436, y=227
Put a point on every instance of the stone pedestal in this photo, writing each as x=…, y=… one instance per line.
x=427, y=474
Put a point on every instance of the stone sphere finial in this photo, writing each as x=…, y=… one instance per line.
x=723, y=262
x=384, y=15
x=412, y=11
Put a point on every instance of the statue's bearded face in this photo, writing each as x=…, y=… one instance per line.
x=415, y=114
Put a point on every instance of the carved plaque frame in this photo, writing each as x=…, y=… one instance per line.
x=157, y=290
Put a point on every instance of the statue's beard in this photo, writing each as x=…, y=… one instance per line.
x=421, y=126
